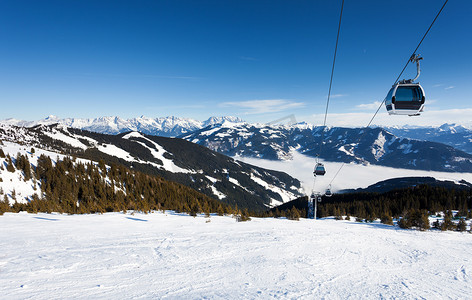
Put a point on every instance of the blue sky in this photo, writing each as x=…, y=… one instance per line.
x=259, y=60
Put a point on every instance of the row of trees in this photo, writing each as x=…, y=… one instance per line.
x=71, y=186
x=398, y=202
x=412, y=207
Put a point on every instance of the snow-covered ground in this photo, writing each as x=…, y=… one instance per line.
x=350, y=176
x=170, y=256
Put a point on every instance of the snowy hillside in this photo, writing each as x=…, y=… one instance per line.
x=213, y=174
x=14, y=184
x=157, y=256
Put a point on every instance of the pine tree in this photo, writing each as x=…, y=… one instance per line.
x=4, y=205
x=294, y=214
x=10, y=167
x=2, y=154
x=386, y=219
x=462, y=225
x=436, y=224
x=447, y=223
x=245, y=215
x=403, y=223
x=220, y=210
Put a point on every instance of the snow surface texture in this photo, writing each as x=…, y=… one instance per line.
x=351, y=176
x=156, y=256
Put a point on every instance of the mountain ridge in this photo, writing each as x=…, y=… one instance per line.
x=455, y=135
x=206, y=171
x=374, y=146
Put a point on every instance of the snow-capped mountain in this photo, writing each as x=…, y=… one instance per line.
x=206, y=171
x=457, y=136
x=360, y=145
x=163, y=126
x=404, y=147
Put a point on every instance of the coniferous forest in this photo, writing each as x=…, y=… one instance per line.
x=410, y=206
x=397, y=202
x=71, y=186
x=76, y=186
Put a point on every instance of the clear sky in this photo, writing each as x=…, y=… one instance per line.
x=259, y=60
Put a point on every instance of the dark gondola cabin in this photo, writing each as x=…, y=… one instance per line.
x=405, y=99
x=328, y=193
x=319, y=170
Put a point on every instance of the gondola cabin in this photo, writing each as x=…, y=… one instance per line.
x=328, y=193
x=319, y=170
x=405, y=99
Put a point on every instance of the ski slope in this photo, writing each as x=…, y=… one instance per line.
x=172, y=256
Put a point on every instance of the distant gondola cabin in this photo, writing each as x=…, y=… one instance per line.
x=319, y=170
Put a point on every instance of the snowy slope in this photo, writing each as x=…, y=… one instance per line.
x=173, y=159
x=15, y=181
x=157, y=256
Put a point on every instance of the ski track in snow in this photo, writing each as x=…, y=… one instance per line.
x=175, y=256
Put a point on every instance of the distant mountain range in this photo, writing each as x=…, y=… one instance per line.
x=164, y=126
x=457, y=136
x=359, y=145
x=206, y=171
x=444, y=148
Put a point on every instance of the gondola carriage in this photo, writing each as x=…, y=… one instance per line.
x=406, y=97
x=319, y=170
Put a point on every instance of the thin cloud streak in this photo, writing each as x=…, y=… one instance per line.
x=338, y=95
x=252, y=107
x=368, y=106
x=427, y=118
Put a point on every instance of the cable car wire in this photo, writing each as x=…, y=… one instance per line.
x=334, y=62
x=419, y=44
x=329, y=95
x=381, y=104
x=319, y=165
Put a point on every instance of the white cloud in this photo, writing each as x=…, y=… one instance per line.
x=369, y=106
x=427, y=118
x=338, y=95
x=264, y=106
x=449, y=87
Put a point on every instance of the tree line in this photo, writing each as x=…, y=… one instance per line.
x=397, y=203
x=75, y=187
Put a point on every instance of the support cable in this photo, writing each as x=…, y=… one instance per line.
x=381, y=104
x=331, y=79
